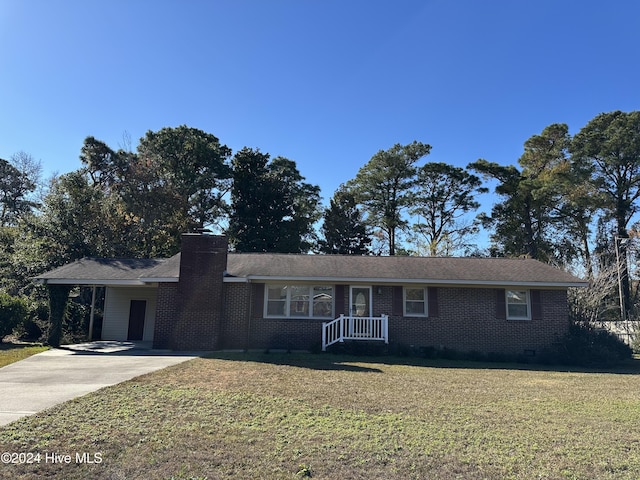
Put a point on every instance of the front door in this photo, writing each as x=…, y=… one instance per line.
x=137, y=312
x=360, y=301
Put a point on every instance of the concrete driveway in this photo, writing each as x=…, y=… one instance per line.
x=57, y=375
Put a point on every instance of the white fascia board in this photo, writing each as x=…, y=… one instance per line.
x=159, y=279
x=423, y=281
x=235, y=280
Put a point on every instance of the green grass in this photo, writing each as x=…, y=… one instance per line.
x=334, y=417
x=12, y=352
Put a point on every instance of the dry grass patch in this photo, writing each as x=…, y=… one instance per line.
x=288, y=416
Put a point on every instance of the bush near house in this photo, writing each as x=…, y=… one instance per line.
x=635, y=344
x=13, y=312
x=586, y=345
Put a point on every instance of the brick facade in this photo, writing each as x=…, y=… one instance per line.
x=466, y=321
x=166, y=313
x=193, y=319
x=202, y=312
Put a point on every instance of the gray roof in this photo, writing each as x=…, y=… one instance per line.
x=324, y=268
x=398, y=269
x=103, y=271
x=166, y=271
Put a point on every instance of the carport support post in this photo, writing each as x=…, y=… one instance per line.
x=93, y=311
x=58, y=298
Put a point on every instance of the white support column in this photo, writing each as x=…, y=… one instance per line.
x=385, y=327
x=93, y=310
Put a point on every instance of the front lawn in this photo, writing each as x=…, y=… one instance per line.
x=12, y=352
x=270, y=416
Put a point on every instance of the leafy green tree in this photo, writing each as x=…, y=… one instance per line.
x=580, y=203
x=17, y=183
x=15, y=187
x=196, y=166
x=383, y=187
x=272, y=208
x=531, y=221
x=343, y=230
x=175, y=183
x=13, y=312
x=252, y=202
x=609, y=148
x=105, y=167
x=78, y=220
x=300, y=202
x=443, y=195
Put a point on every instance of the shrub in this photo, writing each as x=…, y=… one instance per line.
x=635, y=337
x=13, y=312
x=585, y=345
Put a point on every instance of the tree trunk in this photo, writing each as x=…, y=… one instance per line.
x=529, y=240
x=392, y=241
x=58, y=298
x=621, y=246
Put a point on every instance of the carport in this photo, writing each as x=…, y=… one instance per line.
x=130, y=293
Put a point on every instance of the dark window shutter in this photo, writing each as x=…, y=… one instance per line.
x=338, y=300
x=501, y=304
x=397, y=309
x=434, y=309
x=536, y=304
x=258, y=300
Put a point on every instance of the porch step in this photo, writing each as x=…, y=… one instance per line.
x=361, y=329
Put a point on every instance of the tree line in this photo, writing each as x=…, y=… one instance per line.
x=568, y=200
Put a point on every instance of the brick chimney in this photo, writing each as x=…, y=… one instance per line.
x=199, y=301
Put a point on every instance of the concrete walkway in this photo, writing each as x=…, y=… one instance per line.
x=57, y=375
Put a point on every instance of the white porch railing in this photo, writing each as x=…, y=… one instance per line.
x=355, y=328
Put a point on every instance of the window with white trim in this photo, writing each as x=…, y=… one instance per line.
x=518, y=305
x=415, y=302
x=299, y=301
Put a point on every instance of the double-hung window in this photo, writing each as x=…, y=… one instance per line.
x=299, y=301
x=518, y=305
x=415, y=302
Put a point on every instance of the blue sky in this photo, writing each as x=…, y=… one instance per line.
x=325, y=83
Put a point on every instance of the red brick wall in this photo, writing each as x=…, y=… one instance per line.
x=203, y=313
x=237, y=316
x=166, y=313
x=194, y=320
x=245, y=327
x=466, y=321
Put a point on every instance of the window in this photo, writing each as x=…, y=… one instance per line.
x=518, y=305
x=299, y=301
x=276, y=300
x=415, y=302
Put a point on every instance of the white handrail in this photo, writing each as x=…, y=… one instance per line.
x=355, y=328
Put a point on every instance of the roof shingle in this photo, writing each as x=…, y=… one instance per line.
x=472, y=271
x=329, y=268
x=103, y=271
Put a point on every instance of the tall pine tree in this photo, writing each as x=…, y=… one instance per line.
x=272, y=208
x=383, y=187
x=344, y=230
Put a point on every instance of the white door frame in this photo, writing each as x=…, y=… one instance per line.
x=352, y=311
